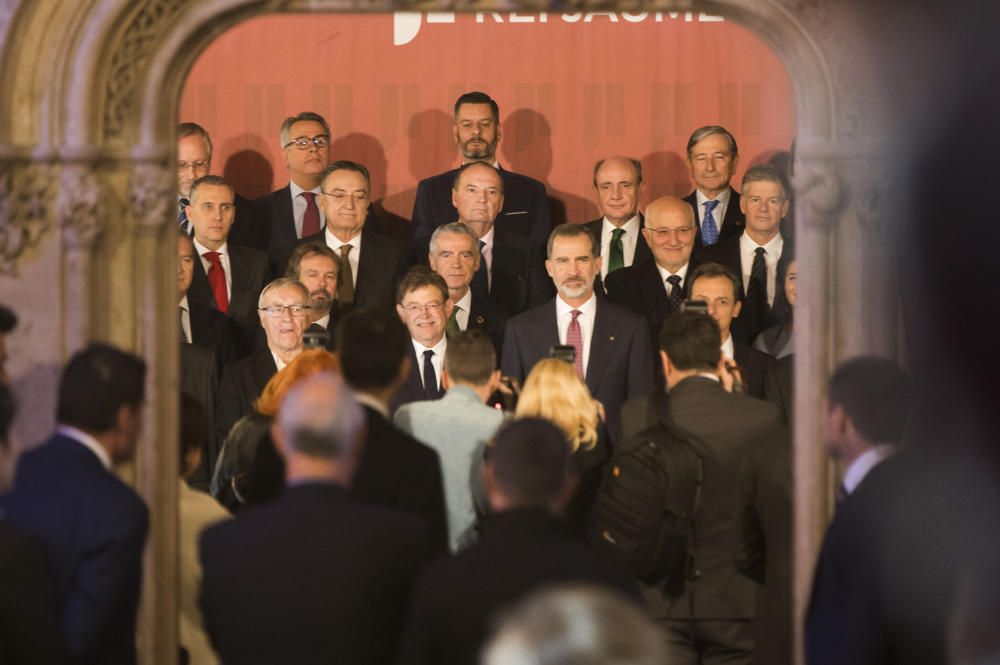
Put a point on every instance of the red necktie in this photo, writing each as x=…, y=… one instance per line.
x=310, y=221
x=574, y=337
x=217, y=279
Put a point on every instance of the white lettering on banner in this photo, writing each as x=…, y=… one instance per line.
x=406, y=25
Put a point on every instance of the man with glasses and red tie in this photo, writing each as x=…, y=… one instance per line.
x=293, y=211
x=227, y=278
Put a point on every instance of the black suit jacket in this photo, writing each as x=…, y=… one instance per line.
x=240, y=387
x=779, y=387
x=274, y=212
x=251, y=274
x=642, y=252
x=754, y=364
x=727, y=426
x=215, y=332
x=412, y=389
x=28, y=610
x=484, y=315
x=619, y=366
x=315, y=577
x=248, y=230
x=200, y=381
x=399, y=472
x=456, y=600
x=93, y=528
x=732, y=224
x=525, y=209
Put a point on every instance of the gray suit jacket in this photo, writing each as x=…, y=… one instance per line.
x=457, y=426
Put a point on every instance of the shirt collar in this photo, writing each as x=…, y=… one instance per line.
x=681, y=272
x=184, y=304
x=728, y=348
x=771, y=248
x=630, y=227
x=487, y=237
x=722, y=198
x=296, y=190
x=438, y=348
x=465, y=302
x=323, y=321
x=278, y=362
x=588, y=308
x=335, y=243
x=90, y=442
x=864, y=463
x=377, y=405
x=201, y=249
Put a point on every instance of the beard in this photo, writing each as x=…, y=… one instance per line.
x=482, y=150
x=573, y=288
x=321, y=301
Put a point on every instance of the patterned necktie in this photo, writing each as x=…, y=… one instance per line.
x=452, y=328
x=616, y=255
x=574, y=338
x=676, y=296
x=345, y=285
x=182, y=217
x=757, y=291
x=217, y=280
x=480, y=281
x=310, y=221
x=709, y=228
x=430, y=377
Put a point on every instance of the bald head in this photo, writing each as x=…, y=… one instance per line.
x=670, y=232
x=618, y=183
x=320, y=418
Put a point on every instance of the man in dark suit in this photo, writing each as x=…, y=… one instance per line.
x=756, y=255
x=227, y=278
x=316, y=576
x=454, y=255
x=91, y=525
x=194, y=160
x=618, y=184
x=318, y=268
x=708, y=620
x=284, y=313
x=712, y=157
x=370, y=263
x=525, y=546
x=293, y=211
x=525, y=208
x=396, y=470
x=716, y=286
x=202, y=325
x=424, y=305
x=613, y=354
x=656, y=288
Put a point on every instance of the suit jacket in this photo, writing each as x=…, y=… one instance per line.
x=779, y=388
x=248, y=230
x=93, y=528
x=484, y=315
x=240, y=387
x=732, y=224
x=251, y=274
x=214, y=331
x=456, y=600
x=399, y=472
x=525, y=207
x=413, y=389
x=727, y=426
x=200, y=380
x=328, y=579
x=619, y=365
x=745, y=327
x=644, y=411
x=642, y=252
x=28, y=611
x=754, y=364
x=274, y=212
x=379, y=268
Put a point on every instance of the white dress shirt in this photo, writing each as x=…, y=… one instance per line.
x=588, y=313
x=629, y=240
x=299, y=207
x=772, y=252
x=437, y=360
x=486, y=252
x=87, y=441
x=864, y=463
x=223, y=258
x=462, y=308
x=719, y=213
x=334, y=243
x=323, y=321
x=186, y=320
x=278, y=362
x=727, y=348
x=664, y=274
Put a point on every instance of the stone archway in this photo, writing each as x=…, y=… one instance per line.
x=86, y=138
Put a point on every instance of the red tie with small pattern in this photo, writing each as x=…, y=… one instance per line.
x=310, y=221
x=217, y=280
x=574, y=337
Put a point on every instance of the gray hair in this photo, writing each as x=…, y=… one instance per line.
x=458, y=228
x=286, y=126
x=766, y=173
x=709, y=130
x=280, y=283
x=320, y=417
x=575, y=625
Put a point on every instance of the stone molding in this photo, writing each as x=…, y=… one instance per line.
x=25, y=195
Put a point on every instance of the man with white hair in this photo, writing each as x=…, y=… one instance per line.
x=329, y=576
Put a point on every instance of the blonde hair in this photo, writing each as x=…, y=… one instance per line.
x=554, y=391
x=306, y=364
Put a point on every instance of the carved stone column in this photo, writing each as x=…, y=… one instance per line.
x=152, y=188
x=80, y=221
x=25, y=193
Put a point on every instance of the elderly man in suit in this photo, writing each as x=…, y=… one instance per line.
x=712, y=156
x=226, y=278
x=458, y=427
x=317, y=576
x=91, y=524
x=706, y=618
x=613, y=353
x=524, y=210
x=618, y=185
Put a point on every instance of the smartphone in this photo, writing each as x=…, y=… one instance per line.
x=563, y=352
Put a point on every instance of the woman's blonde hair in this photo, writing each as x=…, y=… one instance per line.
x=554, y=391
x=307, y=363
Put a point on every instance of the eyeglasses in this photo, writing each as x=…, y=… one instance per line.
x=664, y=233
x=304, y=142
x=197, y=166
x=359, y=197
x=275, y=311
x=416, y=308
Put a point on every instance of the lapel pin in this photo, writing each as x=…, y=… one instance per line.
x=612, y=338
x=480, y=320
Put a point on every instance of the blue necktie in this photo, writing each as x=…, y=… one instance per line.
x=182, y=217
x=709, y=229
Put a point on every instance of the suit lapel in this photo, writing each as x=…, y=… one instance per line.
x=285, y=217
x=642, y=252
x=652, y=292
x=602, y=343
x=264, y=368
x=201, y=290
x=366, y=260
